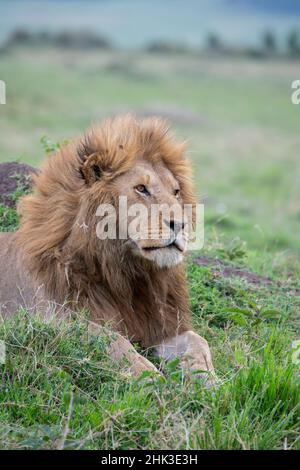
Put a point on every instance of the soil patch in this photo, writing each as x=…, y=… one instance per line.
x=227, y=271
x=14, y=176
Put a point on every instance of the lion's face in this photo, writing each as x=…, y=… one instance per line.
x=141, y=212
x=157, y=228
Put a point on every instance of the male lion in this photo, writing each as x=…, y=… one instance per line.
x=137, y=284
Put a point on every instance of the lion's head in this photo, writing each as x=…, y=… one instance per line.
x=138, y=160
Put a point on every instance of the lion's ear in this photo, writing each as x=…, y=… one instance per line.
x=91, y=169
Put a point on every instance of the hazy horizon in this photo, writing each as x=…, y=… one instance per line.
x=134, y=23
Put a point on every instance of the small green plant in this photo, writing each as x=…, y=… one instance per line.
x=23, y=185
x=253, y=316
x=51, y=147
x=235, y=250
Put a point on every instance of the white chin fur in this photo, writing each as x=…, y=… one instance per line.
x=165, y=258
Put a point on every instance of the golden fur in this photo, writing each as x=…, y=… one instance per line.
x=57, y=238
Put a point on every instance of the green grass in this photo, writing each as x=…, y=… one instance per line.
x=58, y=388
x=52, y=372
x=8, y=218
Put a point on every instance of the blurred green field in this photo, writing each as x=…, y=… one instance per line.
x=237, y=115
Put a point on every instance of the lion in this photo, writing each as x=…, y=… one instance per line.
x=56, y=260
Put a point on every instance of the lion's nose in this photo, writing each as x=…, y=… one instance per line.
x=175, y=225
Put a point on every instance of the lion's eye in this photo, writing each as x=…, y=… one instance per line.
x=176, y=192
x=141, y=188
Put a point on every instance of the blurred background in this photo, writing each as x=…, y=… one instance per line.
x=220, y=71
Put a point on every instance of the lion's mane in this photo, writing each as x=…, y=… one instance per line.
x=57, y=234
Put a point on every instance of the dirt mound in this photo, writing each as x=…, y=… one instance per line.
x=226, y=270
x=14, y=177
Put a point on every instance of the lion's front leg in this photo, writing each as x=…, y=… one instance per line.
x=192, y=349
x=121, y=351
